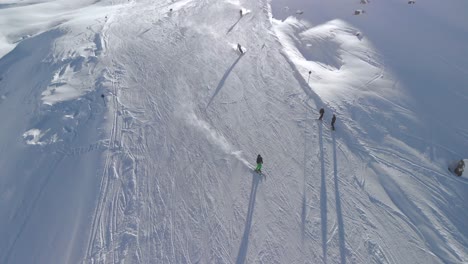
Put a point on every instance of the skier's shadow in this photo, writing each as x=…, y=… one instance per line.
x=323, y=196
x=339, y=214
x=232, y=27
x=307, y=156
x=142, y=33
x=223, y=80
x=248, y=220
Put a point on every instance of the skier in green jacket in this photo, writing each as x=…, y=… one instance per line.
x=259, y=164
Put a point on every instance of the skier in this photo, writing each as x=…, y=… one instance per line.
x=104, y=99
x=240, y=12
x=239, y=47
x=333, y=122
x=460, y=167
x=322, y=111
x=259, y=164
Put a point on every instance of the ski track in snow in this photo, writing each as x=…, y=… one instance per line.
x=168, y=176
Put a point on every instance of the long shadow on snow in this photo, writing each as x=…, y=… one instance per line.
x=248, y=221
x=304, y=191
x=303, y=212
x=221, y=83
x=232, y=27
x=339, y=215
x=323, y=196
x=307, y=158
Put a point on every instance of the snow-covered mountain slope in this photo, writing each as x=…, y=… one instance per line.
x=52, y=134
x=130, y=130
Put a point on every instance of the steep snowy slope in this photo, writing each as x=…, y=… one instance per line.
x=396, y=75
x=52, y=133
x=130, y=129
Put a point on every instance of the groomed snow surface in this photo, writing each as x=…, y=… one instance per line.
x=130, y=131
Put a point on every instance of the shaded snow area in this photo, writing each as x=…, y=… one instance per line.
x=130, y=131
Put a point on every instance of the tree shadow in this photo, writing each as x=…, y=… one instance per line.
x=323, y=196
x=339, y=215
x=223, y=80
x=248, y=221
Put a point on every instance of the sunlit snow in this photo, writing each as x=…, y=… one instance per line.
x=130, y=130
